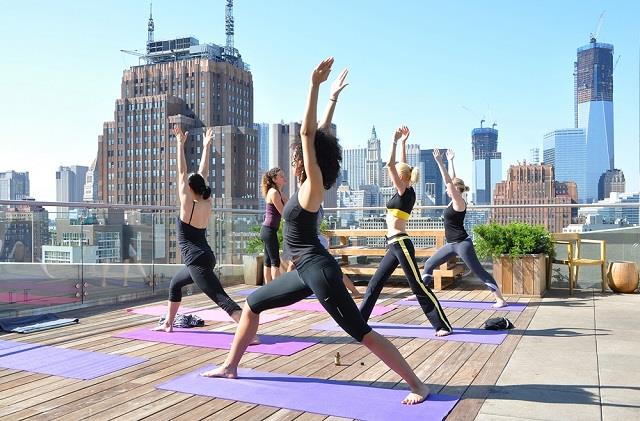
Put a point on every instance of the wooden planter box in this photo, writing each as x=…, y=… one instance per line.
x=252, y=269
x=526, y=276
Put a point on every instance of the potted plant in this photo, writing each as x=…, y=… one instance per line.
x=520, y=255
x=252, y=261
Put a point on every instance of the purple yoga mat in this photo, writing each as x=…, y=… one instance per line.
x=272, y=345
x=64, y=362
x=213, y=315
x=326, y=397
x=316, y=306
x=480, y=305
x=480, y=336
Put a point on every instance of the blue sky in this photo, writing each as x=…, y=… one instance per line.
x=412, y=62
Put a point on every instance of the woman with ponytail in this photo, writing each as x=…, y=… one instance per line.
x=191, y=226
x=272, y=183
x=400, y=250
x=458, y=241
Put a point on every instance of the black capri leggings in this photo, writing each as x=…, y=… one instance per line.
x=269, y=236
x=401, y=252
x=201, y=272
x=323, y=277
x=467, y=253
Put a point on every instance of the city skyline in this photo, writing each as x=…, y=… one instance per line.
x=426, y=93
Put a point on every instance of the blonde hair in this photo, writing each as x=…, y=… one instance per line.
x=407, y=172
x=459, y=184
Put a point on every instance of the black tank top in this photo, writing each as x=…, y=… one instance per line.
x=191, y=240
x=454, y=230
x=301, y=233
x=401, y=206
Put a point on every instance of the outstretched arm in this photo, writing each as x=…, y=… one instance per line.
x=450, y=155
x=312, y=197
x=181, y=139
x=403, y=145
x=456, y=196
x=336, y=87
x=206, y=154
x=401, y=133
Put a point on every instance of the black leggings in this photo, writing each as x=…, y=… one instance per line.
x=201, y=272
x=467, y=253
x=269, y=236
x=323, y=277
x=401, y=251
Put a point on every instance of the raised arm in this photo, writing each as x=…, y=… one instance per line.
x=401, y=134
x=311, y=197
x=450, y=155
x=336, y=87
x=458, y=201
x=181, y=139
x=403, y=145
x=206, y=154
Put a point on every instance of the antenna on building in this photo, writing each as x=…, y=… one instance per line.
x=482, y=121
x=150, y=28
x=229, y=49
x=493, y=126
x=594, y=34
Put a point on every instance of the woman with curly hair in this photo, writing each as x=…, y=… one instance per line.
x=459, y=242
x=400, y=249
x=272, y=183
x=316, y=270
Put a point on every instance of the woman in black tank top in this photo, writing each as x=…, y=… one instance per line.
x=196, y=254
x=316, y=270
x=458, y=241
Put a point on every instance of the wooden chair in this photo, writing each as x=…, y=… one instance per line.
x=574, y=257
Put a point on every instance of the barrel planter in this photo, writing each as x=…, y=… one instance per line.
x=525, y=276
x=622, y=277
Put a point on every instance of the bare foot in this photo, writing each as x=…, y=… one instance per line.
x=417, y=396
x=255, y=341
x=499, y=304
x=411, y=297
x=164, y=328
x=443, y=332
x=226, y=372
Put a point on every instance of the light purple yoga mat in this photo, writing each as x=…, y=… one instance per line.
x=213, y=315
x=316, y=306
x=64, y=362
x=479, y=336
x=250, y=290
x=327, y=397
x=480, y=305
x=273, y=345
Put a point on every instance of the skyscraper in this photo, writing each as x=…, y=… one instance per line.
x=487, y=164
x=594, y=110
x=70, y=183
x=14, y=185
x=354, y=163
x=565, y=149
x=196, y=86
x=374, y=162
x=432, y=184
x=611, y=181
x=530, y=184
x=262, y=130
x=91, y=184
x=280, y=150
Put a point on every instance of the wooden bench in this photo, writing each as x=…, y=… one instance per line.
x=442, y=277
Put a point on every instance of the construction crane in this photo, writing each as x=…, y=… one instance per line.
x=616, y=63
x=594, y=34
x=229, y=49
x=141, y=56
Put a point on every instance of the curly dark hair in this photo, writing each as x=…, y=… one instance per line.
x=328, y=155
x=269, y=180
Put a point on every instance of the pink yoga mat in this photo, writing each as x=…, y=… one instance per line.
x=213, y=315
x=320, y=396
x=273, y=345
x=316, y=306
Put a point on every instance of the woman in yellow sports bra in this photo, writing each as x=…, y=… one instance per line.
x=400, y=250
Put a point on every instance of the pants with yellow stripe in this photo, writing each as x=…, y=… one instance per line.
x=400, y=251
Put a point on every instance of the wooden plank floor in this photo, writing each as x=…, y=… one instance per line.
x=464, y=369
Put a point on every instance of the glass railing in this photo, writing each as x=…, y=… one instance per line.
x=56, y=256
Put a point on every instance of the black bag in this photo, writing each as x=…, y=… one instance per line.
x=498, y=323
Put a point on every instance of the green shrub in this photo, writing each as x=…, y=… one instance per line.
x=515, y=239
x=256, y=245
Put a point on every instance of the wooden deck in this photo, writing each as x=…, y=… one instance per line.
x=448, y=367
